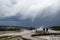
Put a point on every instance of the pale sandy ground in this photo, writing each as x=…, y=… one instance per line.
x=27, y=34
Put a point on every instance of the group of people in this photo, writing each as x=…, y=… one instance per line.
x=43, y=30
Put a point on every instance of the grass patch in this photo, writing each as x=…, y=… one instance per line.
x=57, y=28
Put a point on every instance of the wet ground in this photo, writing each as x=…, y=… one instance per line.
x=11, y=35
x=10, y=38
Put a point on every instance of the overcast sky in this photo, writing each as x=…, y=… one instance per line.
x=15, y=11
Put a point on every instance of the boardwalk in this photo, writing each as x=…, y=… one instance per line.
x=28, y=36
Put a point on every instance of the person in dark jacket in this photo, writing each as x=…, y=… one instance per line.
x=43, y=29
x=46, y=29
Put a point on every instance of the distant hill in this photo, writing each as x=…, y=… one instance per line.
x=55, y=28
x=13, y=28
x=9, y=28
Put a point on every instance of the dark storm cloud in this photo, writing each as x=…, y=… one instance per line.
x=17, y=10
